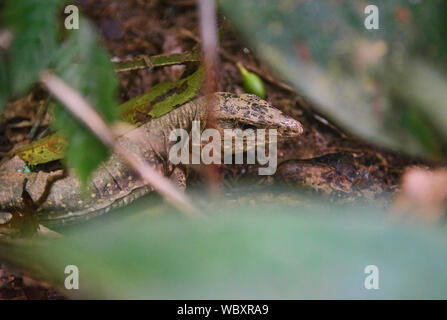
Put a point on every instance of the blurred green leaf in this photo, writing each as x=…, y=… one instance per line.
x=86, y=67
x=34, y=26
x=4, y=83
x=80, y=61
x=259, y=252
x=371, y=82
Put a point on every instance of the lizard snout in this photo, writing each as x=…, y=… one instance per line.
x=290, y=127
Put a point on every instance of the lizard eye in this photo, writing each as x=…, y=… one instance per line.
x=246, y=126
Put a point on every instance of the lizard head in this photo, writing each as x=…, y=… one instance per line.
x=247, y=111
x=241, y=116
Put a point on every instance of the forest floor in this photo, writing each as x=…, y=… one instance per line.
x=324, y=160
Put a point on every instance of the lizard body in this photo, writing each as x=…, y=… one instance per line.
x=114, y=184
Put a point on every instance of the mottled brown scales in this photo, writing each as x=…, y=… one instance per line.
x=114, y=184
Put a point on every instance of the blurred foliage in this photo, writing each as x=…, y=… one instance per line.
x=87, y=68
x=79, y=61
x=269, y=251
x=387, y=85
x=34, y=27
x=4, y=82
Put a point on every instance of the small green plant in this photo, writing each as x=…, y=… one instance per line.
x=252, y=82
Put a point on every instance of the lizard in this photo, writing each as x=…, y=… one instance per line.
x=114, y=184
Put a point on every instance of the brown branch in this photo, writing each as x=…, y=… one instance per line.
x=161, y=60
x=208, y=33
x=77, y=105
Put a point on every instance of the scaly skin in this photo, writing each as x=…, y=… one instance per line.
x=114, y=184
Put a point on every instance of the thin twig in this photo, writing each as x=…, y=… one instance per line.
x=80, y=108
x=208, y=33
x=161, y=60
x=40, y=114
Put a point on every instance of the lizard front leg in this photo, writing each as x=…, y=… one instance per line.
x=114, y=184
x=178, y=177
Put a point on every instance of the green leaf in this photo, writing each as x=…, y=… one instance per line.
x=162, y=98
x=47, y=149
x=265, y=252
x=34, y=26
x=371, y=82
x=252, y=82
x=86, y=67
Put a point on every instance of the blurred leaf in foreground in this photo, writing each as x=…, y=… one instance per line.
x=4, y=82
x=387, y=85
x=86, y=67
x=79, y=61
x=251, y=253
x=34, y=27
